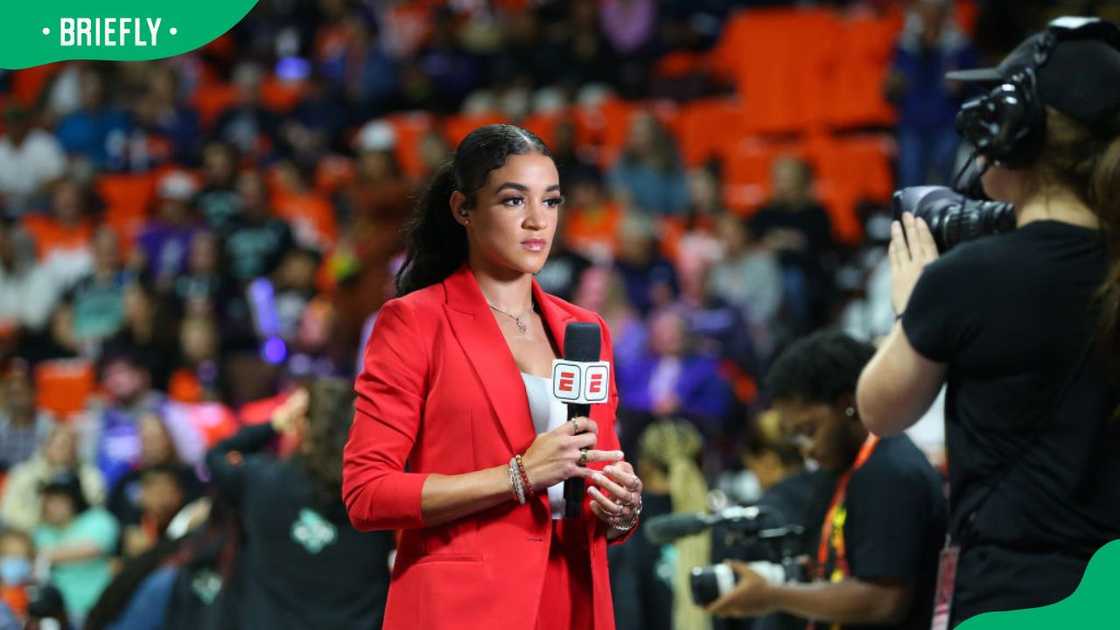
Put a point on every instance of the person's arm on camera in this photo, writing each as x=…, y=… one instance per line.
x=851, y=601
x=899, y=384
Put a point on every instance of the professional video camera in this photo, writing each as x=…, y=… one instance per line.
x=776, y=549
x=951, y=216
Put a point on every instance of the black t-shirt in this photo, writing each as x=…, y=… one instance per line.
x=1034, y=476
x=306, y=566
x=892, y=523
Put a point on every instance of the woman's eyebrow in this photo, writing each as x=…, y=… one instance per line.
x=523, y=188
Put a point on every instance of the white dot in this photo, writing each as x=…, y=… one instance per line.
x=174, y=31
x=46, y=30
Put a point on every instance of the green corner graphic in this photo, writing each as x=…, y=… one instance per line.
x=46, y=31
x=1092, y=605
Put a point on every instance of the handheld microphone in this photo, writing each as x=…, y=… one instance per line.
x=579, y=380
x=662, y=530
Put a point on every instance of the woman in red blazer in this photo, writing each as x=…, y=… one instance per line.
x=445, y=442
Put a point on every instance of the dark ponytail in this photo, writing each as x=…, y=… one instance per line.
x=437, y=243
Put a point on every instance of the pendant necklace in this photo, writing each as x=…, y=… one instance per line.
x=520, y=320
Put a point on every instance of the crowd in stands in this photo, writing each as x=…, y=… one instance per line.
x=186, y=241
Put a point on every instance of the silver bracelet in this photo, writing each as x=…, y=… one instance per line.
x=515, y=481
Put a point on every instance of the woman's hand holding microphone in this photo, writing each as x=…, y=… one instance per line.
x=565, y=452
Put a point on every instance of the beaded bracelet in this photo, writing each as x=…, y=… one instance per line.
x=528, y=487
x=515, y=482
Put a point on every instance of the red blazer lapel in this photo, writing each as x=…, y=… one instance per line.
x=555, y=318
x=481, y=339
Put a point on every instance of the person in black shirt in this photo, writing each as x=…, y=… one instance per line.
x=1022, y=327
x=876, y=557
x=309, y=568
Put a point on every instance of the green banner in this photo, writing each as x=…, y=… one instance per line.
x=45, y=31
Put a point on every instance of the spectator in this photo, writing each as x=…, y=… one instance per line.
x=166, y=129
x=749, y=277
x=449, y=70
x=77, y=541
x=165, y=241
x=23, y=427
x=157, y=452
x=630, y=27
x=256, y=241
x=308, y=212
x=17, y=552
x=97, y=130
x=366, y=71
x=670, y=380
x=649, y=581
x=650, y=280
x=63, y=237
x=927, y=102
x=649, y=175
x=201, y=287
x=248, y=124
x=21, y=504
x=30, y=158
x=28, y=291
x=309, y=567
x=98, y=298
x=798, y=230
x=218, y=200
x=111, y=432
x=197, y=376
x=161, y=496
x=591, y=218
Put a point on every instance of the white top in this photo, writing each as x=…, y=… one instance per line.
x=548, y=413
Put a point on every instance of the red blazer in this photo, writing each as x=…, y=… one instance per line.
x=441, y=393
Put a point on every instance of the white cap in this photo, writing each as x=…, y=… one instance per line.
x=178, y=186
x=376, y=135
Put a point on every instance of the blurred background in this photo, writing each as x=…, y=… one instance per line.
x=184, y=241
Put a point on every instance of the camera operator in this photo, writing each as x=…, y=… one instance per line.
x=1021, y=325
x=876, y=558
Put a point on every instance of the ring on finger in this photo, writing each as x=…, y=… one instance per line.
x=575, y=426
x=582, y=461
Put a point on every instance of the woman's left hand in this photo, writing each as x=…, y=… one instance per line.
x=911, y=249
x=616, y=496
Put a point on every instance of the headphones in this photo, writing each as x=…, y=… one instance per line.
x=1008, y=124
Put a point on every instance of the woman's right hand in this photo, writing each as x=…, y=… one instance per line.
x=553, y=457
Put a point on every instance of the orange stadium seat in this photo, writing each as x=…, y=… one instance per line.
x=778, y=60
x=127, y=197
x=862, y=61
x=210, y=100
x=706, y=127
x=281, y=96
x=64, y=385
x=544, y=125
x=455, y=128
x=28, y=84
x=410, y=128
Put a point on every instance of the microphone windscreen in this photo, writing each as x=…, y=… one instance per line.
x=581, y=341
x=661, y=530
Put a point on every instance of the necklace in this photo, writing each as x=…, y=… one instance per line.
x=522, y=326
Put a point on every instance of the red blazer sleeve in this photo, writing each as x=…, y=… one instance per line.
x=377, y=491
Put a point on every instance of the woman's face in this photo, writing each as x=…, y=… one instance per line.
x=513, y=220
x=155, y=443
x=59, y=449
x=58, y=509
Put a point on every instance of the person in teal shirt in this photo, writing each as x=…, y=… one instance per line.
x=77, y=540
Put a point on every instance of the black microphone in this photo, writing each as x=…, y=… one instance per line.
x=661, y=530
x=581, y=345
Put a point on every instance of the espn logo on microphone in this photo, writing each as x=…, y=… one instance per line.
x=581, y=383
